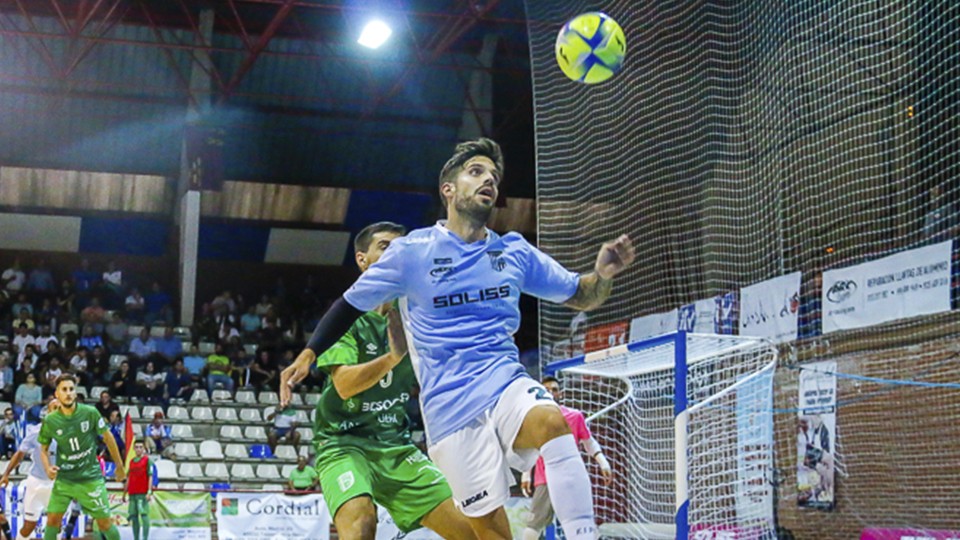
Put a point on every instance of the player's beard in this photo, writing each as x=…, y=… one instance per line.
x=468, y=207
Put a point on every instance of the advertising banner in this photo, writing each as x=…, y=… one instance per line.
x=272, y=516
x=653, y=325
x=817, y=435
x=699, y=317
x=173, y=516
x=769, y=309
x=910, y=283
x=604, y=336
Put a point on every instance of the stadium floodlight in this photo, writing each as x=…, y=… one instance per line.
x=375, y=34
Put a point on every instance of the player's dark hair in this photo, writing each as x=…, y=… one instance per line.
x=66, y=377
x=365, y=237
x=550, y=378
x=467, y=150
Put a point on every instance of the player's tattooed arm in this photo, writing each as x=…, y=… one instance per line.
x=594, y=288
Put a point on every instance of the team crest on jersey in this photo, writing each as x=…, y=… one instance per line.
x=371, y=348
x=85, y=426
x=496, y=261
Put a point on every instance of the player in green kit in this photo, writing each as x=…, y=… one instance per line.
x=77, y=475
x=364, y=453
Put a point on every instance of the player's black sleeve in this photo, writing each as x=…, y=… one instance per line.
x=335, y=323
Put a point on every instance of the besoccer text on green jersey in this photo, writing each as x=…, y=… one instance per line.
x=77, y=436
x=378, y=413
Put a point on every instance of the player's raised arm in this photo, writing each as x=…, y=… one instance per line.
x=594, y=288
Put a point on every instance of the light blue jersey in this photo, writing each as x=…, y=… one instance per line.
x=460, y=304
x=31, y=446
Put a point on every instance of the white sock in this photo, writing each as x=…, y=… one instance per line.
x=570, y=491
x=531, y=534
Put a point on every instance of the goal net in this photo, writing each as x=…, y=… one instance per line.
x=687, y=423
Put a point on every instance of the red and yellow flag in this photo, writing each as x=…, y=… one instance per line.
x=128, y=440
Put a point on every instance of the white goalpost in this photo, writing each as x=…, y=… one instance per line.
x=687, y=422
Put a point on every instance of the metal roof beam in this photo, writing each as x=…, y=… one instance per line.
x=258, y=47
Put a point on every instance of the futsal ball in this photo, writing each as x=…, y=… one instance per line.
x=591, y=47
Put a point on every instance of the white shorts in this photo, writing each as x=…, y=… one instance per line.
x=36, y=495
x=477, y=459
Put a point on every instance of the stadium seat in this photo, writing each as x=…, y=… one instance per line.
x=306, y=434
x=96, y=391
x=175, y=412
x=190, y=470
x=219, y=486
x=286, y=470
x=245, y=397
x=256, y=433
x=169, y=486
x=251, y=348
x=232, y=433
x=267, y=412
x=185, y=450
x=311, y=399
x=66, y=328
x=250, y=416
x=305, y=450
x=194, y=486
x=116, y=360
x=211, y=450
x=241, y=472
x=149, y=410
x=157, y=331
x=296, y=400
x=24, y=467
x=221, y=395
x=199, y=397
x=260, y=451
x=166, y=469
x=183, y=333
x=181, y=431
x=273, y=487
x=134, y=330
x=267, y=471
x=313, y=416
x=206, y=347
x=109, y=469
x=134, y=411
x=226, y=414
x=235, y=451
x=202, y=414
x=269, y=398
x=302, y=417
x=216, y=470
x=285, y=452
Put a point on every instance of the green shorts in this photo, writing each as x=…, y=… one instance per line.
x=399, y=478
x=138, y=506
x=90, y=495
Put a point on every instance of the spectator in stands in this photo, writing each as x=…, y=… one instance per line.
x=156, y=304
x=135, y=306
x=205, y=327
x=47, y=315
x=264, y=306
x=159, y=437
x=25, y=318
x=241, y=366
x=21, y=340
x=271, y=337
x=179, y=384
x=22, y=304
x=29, y=395
x=29, y=354
x=116, y=424
x=113, y=285
x=226, y=324
x=224, y=303
x=303, y=477
x=263, y=371
x=25, y=369
x=218, y=370
x=90, y=338
x=67, y=299
x=50, y=376
x=99, y=366
x=169, y=347
x=53, y=351
x=8, y=433
x=79, y=366
x=44, y=339
x=106, y=405
x=250, y=323
x=122, y=383
x=150, y=383
x=143, y=346
x=84, y=281
x=94, y=315
x=194, y=362
x=13, y=278
x=6, y=378
x=284, y=427
x=41, y=281
x=116, y=331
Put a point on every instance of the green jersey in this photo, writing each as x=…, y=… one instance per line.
x=378, y=412
x=77, y=437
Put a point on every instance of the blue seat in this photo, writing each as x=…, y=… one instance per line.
x=260, y=451
x=219, y=486
x=109, y=469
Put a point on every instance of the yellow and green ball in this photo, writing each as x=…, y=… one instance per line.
x=591, y=47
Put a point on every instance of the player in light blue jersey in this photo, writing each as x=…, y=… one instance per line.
x=459, y=285
x=37, y=486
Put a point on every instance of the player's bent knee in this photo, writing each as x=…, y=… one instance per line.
x=542, y=424
x=356, y=519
